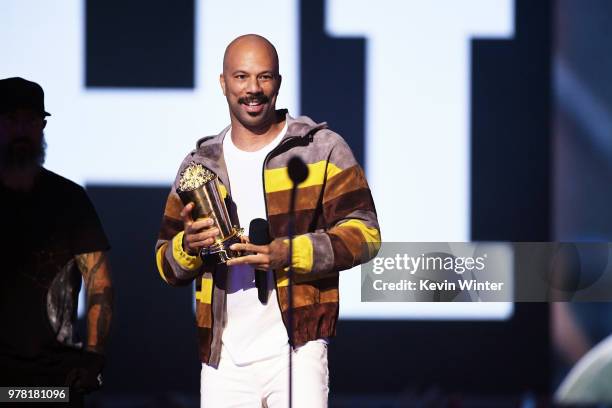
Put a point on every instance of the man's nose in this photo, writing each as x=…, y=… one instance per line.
x=253, y=86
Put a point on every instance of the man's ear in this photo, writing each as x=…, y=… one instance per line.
x=222, y=82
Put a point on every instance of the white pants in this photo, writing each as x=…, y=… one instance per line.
x=265, y=383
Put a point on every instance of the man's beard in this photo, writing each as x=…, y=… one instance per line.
x=22, y=154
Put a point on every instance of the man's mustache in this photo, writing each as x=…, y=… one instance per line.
x=258, y=97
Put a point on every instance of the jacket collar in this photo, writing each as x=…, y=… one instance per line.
x=302, y=126
x=209, y=149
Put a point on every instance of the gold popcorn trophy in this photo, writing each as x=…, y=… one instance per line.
x=200, y=186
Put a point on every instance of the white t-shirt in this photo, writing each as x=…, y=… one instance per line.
x=253, y=331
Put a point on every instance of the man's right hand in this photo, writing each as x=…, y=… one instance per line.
x=198, y=234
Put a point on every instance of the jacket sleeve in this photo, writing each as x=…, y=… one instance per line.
x=352, y=236
x=175, y=266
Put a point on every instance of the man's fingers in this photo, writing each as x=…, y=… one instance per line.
x=199, y=223
x=259, y=249
x=186, y=213
x=258, y=260
x=204, y=235
x=201, y=244
x=199, y=226
x=198, y=234
x=204, y=239
x=202, y=223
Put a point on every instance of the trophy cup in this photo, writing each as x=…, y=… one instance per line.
x=200, y=186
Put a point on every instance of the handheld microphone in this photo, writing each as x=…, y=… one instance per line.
x=259, y=234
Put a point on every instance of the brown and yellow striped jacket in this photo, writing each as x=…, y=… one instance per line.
x=336, y=229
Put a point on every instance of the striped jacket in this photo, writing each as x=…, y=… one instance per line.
x=336, y=229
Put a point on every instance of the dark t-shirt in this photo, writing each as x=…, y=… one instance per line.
x=41, y=232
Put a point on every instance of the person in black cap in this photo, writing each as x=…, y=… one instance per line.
x=50, y=237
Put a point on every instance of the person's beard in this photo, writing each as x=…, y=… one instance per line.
x=22, y=154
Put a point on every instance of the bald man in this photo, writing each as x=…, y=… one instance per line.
x=244, y=340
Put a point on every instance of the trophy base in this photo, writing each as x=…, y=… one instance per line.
x=219, y=252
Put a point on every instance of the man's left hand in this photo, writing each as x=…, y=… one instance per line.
x=273, y=256
x=86, y=373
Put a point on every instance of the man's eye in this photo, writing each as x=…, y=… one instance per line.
x=240, y=76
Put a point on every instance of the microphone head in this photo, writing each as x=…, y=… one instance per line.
x=298, y=171
x=259, y=232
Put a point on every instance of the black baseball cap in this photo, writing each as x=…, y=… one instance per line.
x=18, y=93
